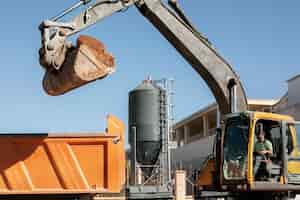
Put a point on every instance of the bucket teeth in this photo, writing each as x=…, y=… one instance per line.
x=86, y=62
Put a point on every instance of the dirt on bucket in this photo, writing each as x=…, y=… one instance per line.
x=86, y=62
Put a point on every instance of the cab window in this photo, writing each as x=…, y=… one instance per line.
x=273, y=134
x=297, y=128
x=235, y=149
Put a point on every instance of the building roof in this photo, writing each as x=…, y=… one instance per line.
x=293, y=78
x=196, y=114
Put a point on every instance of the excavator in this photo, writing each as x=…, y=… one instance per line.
x=231, y=172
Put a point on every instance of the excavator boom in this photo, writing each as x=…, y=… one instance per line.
x=217, y=73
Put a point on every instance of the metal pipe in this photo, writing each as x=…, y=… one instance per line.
x=233, y=98
x=68, y=10
x=139, y=175
x=133, y=157
x=218, y=118
x=168, y=129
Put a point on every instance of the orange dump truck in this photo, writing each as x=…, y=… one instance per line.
x=63, y=166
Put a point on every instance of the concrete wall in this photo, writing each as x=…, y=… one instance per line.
x=290, y=103
x=293, y=98
x=294, y=91
x=292, y=110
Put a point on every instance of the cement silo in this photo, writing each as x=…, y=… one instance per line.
x=148, y=138
x=144, y=122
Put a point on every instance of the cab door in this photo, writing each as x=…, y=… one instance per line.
x=292, y=150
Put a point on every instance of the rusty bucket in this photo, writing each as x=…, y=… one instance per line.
x=86, y=62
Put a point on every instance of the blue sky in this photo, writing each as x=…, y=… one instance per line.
x=259, y=38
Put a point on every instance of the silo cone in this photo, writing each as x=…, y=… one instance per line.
x=86, y=62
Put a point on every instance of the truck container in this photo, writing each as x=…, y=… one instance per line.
x=60, y=164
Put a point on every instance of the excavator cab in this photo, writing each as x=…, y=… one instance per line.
x=236, y=166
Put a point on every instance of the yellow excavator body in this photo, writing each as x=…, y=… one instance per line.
x=225, y=173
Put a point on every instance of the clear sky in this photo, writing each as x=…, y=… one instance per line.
x=259, y=38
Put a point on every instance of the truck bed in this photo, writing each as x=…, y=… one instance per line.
x=62, y=164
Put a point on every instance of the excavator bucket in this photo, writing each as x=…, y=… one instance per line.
x=86, y=62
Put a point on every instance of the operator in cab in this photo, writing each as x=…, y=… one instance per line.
x=263, y=150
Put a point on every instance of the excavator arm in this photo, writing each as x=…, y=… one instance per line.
x=174, y=26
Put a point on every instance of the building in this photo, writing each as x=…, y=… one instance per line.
x=203, y=122
x=290, y=102
x=194, y=134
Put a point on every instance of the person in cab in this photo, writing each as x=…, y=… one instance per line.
x=263, y=150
